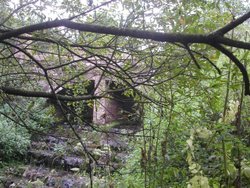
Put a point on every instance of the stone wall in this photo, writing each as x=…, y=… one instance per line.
x=113, y=107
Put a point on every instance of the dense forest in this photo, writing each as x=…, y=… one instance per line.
x=124, y=93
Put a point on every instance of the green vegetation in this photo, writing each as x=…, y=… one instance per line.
x=18, y=120
x=184, y=63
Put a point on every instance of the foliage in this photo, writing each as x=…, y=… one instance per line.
x=191, y=142
x=194, y=161
x=196, y=126
x=14, y=140
x=17, y=123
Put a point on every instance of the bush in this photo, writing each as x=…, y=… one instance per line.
x=14, y=140
x=17, y=121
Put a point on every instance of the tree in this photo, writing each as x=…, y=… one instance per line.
x=169, y=52
x=54, y=33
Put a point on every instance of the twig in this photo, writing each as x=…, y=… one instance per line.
x=83, y=13
x=232, y=25
x=192, y=56
x=17, y=9
x=238, y=64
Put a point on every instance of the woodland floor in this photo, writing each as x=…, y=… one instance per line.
x=58, y=160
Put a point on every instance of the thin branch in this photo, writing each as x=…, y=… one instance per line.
x=192, y=56
x=206, y=58
x=232, y=25
x=83, y=13
x=238, y=64
x=202, y=56
x=26, y=93
x=16, y=10
x=26, y=53
x=209, y=61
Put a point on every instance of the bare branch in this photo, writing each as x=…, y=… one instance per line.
x=232, y=43
x=192, y=56
x=203, y=57
x=156, y=36
x=25, y=93
x=26, y=53
x=101, y=5
x=238, y=64
x=232, y=25
x=16, y=10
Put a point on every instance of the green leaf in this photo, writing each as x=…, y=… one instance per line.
x=246, y=172
x=198, y=182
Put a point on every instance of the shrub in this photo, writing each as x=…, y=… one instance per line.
x=17, y=121
x=14, y=140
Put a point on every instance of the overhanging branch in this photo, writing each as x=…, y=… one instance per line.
x=215, y=39
x=238, y=64
x=25, y=93
x=157, y=36
x=232, y=24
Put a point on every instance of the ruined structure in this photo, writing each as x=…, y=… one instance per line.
x=114, y=106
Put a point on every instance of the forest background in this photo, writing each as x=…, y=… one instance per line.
x=192, y=81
